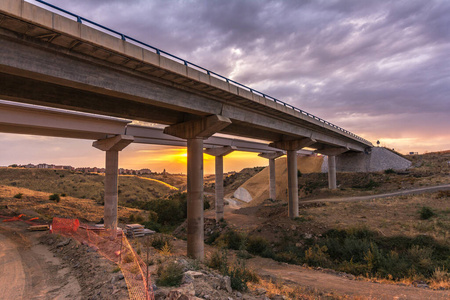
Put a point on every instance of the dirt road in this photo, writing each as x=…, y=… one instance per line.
x=430, y=189
x=12, y=275
x=28, y=270
x=321, y=281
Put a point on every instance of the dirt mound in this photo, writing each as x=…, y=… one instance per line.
x=258, y=185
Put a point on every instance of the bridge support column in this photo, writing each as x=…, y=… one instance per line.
x=332, y=172
x=292, y=146
x=331, y=153
x=194, y=131
x=292, y=183
x=112, y=146
x=272, y=179
x=219, y=153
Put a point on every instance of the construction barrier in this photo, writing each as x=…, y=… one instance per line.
x=114, y=246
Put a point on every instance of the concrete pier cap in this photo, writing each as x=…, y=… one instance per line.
x=219, y=153
x=112, y=146
x=195, y=131
x=291, y=147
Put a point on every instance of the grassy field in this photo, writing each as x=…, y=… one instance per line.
x=427, y=170
x=15, y=201
x=84, y=185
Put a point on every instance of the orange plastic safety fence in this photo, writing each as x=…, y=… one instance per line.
x=115, y=247
x=60, y=225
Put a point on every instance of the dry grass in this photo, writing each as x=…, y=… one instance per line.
x=390, y=216
x=80, y=185
x=35, y=203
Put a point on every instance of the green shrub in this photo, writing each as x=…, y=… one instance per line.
x=234, y=240
x=257, y=245
x=426, y=213
x=159, y=241
x=63, y=195
x=212, y=238
x=18, y=196
x=152, y=225
x=219, y=261
x=389, y=171
x=240, y=275
x=317, y=256
x=54, y=197
x=170, y=274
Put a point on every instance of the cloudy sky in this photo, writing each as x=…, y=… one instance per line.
x=380, y=69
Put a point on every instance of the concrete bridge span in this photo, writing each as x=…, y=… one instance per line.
x=51, y=60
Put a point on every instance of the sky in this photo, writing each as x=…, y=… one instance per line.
x=377, y=68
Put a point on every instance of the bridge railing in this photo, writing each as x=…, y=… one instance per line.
x=209, y=72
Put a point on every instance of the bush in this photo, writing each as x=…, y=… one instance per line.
x=426, y=213
x=219, y=261
x=54, y=197
x=152, y=225
x=170, y=275
x=317, y=256
x=160, y=241
x=389, y=171
x=240, y=275
x=257, y=245
x=18, y=196
x=234, y=240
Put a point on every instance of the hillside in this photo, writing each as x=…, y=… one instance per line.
x=84, y=185
x=16, y=200
x=258, y=185
x=427, y=170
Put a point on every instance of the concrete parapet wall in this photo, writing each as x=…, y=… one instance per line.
x=379, y=159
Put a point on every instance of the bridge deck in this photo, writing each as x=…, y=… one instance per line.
x=253, y=114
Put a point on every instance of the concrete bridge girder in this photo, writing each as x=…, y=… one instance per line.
x=75, y=79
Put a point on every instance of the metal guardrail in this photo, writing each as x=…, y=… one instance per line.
x=187, y=63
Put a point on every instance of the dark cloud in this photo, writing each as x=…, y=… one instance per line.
x=364, y=58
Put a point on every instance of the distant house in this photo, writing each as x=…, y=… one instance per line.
x=413, y=153
x=145, y=171
x=42, y=166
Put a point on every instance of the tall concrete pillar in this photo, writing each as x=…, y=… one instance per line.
x=332, y=172
x=332, y=153
x=219, y=153
x=292, y=183
x=272, y=179
x=194, y=131
x=218, y=187
x=112, y=146
x=292, y=146
x=195, y=219
x=111, y=194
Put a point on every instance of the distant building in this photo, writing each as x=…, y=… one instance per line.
x=413, y=153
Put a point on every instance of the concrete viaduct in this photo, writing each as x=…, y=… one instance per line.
x=72, y=63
